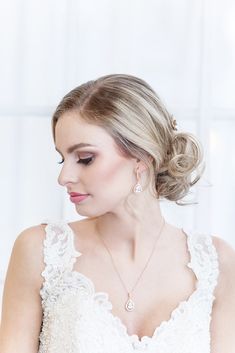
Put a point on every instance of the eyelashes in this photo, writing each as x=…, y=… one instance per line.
x=85, y=161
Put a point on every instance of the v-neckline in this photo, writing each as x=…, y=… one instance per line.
x=134, y=338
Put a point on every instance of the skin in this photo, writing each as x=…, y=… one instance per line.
x=109, y=179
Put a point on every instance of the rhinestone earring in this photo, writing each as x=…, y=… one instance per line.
x=138, y=187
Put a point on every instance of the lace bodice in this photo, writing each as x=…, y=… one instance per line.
x=77, y=319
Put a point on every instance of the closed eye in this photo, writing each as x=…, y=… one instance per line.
x=85, y=161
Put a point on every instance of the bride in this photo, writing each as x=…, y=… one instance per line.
x=122, y=279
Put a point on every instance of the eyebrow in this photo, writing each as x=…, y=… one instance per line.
x=74, y=147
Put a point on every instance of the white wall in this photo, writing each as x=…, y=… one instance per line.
x=184, y=49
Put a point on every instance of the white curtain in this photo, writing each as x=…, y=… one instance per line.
x=184, y=48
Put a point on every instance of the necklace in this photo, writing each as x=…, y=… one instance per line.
x=130, y=305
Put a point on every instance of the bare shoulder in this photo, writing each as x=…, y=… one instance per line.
x=223, y=313
x=28, y=249
x=30, y=237
x=226, y=260
x=31, y=234
x=21, y=304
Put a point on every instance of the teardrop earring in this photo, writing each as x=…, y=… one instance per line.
x=138, y=187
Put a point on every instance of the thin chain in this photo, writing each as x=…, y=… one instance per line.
x=138, y=279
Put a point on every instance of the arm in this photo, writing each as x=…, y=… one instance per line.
x=21, y=305
x=223, y=313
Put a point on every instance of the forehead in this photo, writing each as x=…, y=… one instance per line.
x=72, y=130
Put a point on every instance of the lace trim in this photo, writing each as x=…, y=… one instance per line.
x=60, y=254
x=102, y=300
x=204, y=259
x=200, y=248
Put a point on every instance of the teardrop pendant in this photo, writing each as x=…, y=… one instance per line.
x=130, y=305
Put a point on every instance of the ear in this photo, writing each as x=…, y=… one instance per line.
x=141, y=166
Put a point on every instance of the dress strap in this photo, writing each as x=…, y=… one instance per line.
x=59, y=255
x=204, y=259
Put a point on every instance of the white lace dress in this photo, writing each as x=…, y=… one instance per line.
x=77, y=319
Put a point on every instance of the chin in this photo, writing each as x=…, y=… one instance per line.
x=89, y=213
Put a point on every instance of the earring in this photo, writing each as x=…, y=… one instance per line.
x=138, y=187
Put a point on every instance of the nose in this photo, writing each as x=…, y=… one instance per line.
x=67, y=175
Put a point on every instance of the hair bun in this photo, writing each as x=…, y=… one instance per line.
x=186, y=157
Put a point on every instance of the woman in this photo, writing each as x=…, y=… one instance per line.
x=122, y=279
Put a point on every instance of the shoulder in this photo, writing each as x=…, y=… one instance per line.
x=21, y=301
x=30, y=240
x=226, y=264
x=27, y=252
x=223, y=314
x=31, y=234
x=226, y=253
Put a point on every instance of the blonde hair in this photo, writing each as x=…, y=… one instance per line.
x=133, y=114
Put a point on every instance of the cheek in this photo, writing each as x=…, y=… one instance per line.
x=115, y=176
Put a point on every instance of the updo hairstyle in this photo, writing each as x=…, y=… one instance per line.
x=133, y=114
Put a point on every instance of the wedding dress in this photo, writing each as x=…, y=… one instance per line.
x=77, y=319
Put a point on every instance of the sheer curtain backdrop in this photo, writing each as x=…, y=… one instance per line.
x=184, y=48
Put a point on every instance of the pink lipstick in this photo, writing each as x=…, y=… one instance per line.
x=77, y=198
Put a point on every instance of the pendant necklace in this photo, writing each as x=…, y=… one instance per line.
x=130, y=305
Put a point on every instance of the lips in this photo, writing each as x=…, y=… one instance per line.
x=79, y=198
x=76, y=194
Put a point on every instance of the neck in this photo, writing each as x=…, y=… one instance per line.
x=129, y=235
